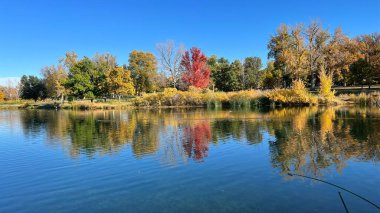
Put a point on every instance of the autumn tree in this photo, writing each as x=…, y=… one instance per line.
x=196, y=71
x=32, y=87
x=252, y=74
x=54, y=78
x=119, y=82
x=369, y=47
x=69, y=60
x=143, y=67
x=2, y=94
x=11, y=90
x=317, y=40
x=103, y=63
x=170, y=57
x=341, y=52
x=288, y=50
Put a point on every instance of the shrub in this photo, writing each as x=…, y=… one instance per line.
x=325, y=92
x=297, y=95
x=245, y=98
x=363, y=99
x=2, y=96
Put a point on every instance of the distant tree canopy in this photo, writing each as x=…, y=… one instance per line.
x=300, y=52
x=295, y=53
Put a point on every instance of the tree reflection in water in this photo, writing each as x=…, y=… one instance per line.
x=307, y=140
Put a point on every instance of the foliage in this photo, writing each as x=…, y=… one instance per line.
x=363, y=99
x=196, y=71
x=143, y=67
x=326, y=85
x=252, y=73
x=245, y=98
x=82, y=79
x=173, y=97
x=119, y=82
x=226, y=76
x=271, y=77
x=362, y=72
x=54, y=78
x=297, y=95
x=2, y=95
x=32, y=88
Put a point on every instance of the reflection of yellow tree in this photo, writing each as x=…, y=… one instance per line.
x=307, y=150
x=146, y=135
x=327, y=118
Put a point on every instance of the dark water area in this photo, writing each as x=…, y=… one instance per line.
x=190, y=160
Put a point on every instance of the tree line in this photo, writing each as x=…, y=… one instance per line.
x=295, y=53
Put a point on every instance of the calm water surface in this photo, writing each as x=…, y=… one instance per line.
x=189, y=160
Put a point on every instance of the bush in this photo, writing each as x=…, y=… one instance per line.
x=2, y=96
x=196, y=97
x=363, y=99
x=297, y=95
x=245, y=98
x=325, y=92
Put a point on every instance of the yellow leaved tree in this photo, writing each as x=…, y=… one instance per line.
x=119, y=82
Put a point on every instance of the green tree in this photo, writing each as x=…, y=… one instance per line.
x=236, y=71
x=271, y=77
x=212, y=62
x=362, y=72
x=143, y=67
x=32, y=88
x=103, y=64
x=252, y=74
x=119, y=82
x=83, y=78
x=219, y=74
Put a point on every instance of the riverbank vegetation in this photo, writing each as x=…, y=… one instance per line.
x=305, y=64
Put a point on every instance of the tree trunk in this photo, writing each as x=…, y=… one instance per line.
x=313, y=80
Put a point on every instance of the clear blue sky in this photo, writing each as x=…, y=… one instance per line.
x=37, y=33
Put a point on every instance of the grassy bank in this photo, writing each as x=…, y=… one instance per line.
x=296, y=96
x=75, y=105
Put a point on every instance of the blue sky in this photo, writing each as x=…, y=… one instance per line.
x=37, y=33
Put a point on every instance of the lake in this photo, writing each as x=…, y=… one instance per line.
x=190, y=160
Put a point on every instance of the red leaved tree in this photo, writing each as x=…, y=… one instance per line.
x=196, y=71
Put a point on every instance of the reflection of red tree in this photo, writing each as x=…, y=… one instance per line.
x=196, y=140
